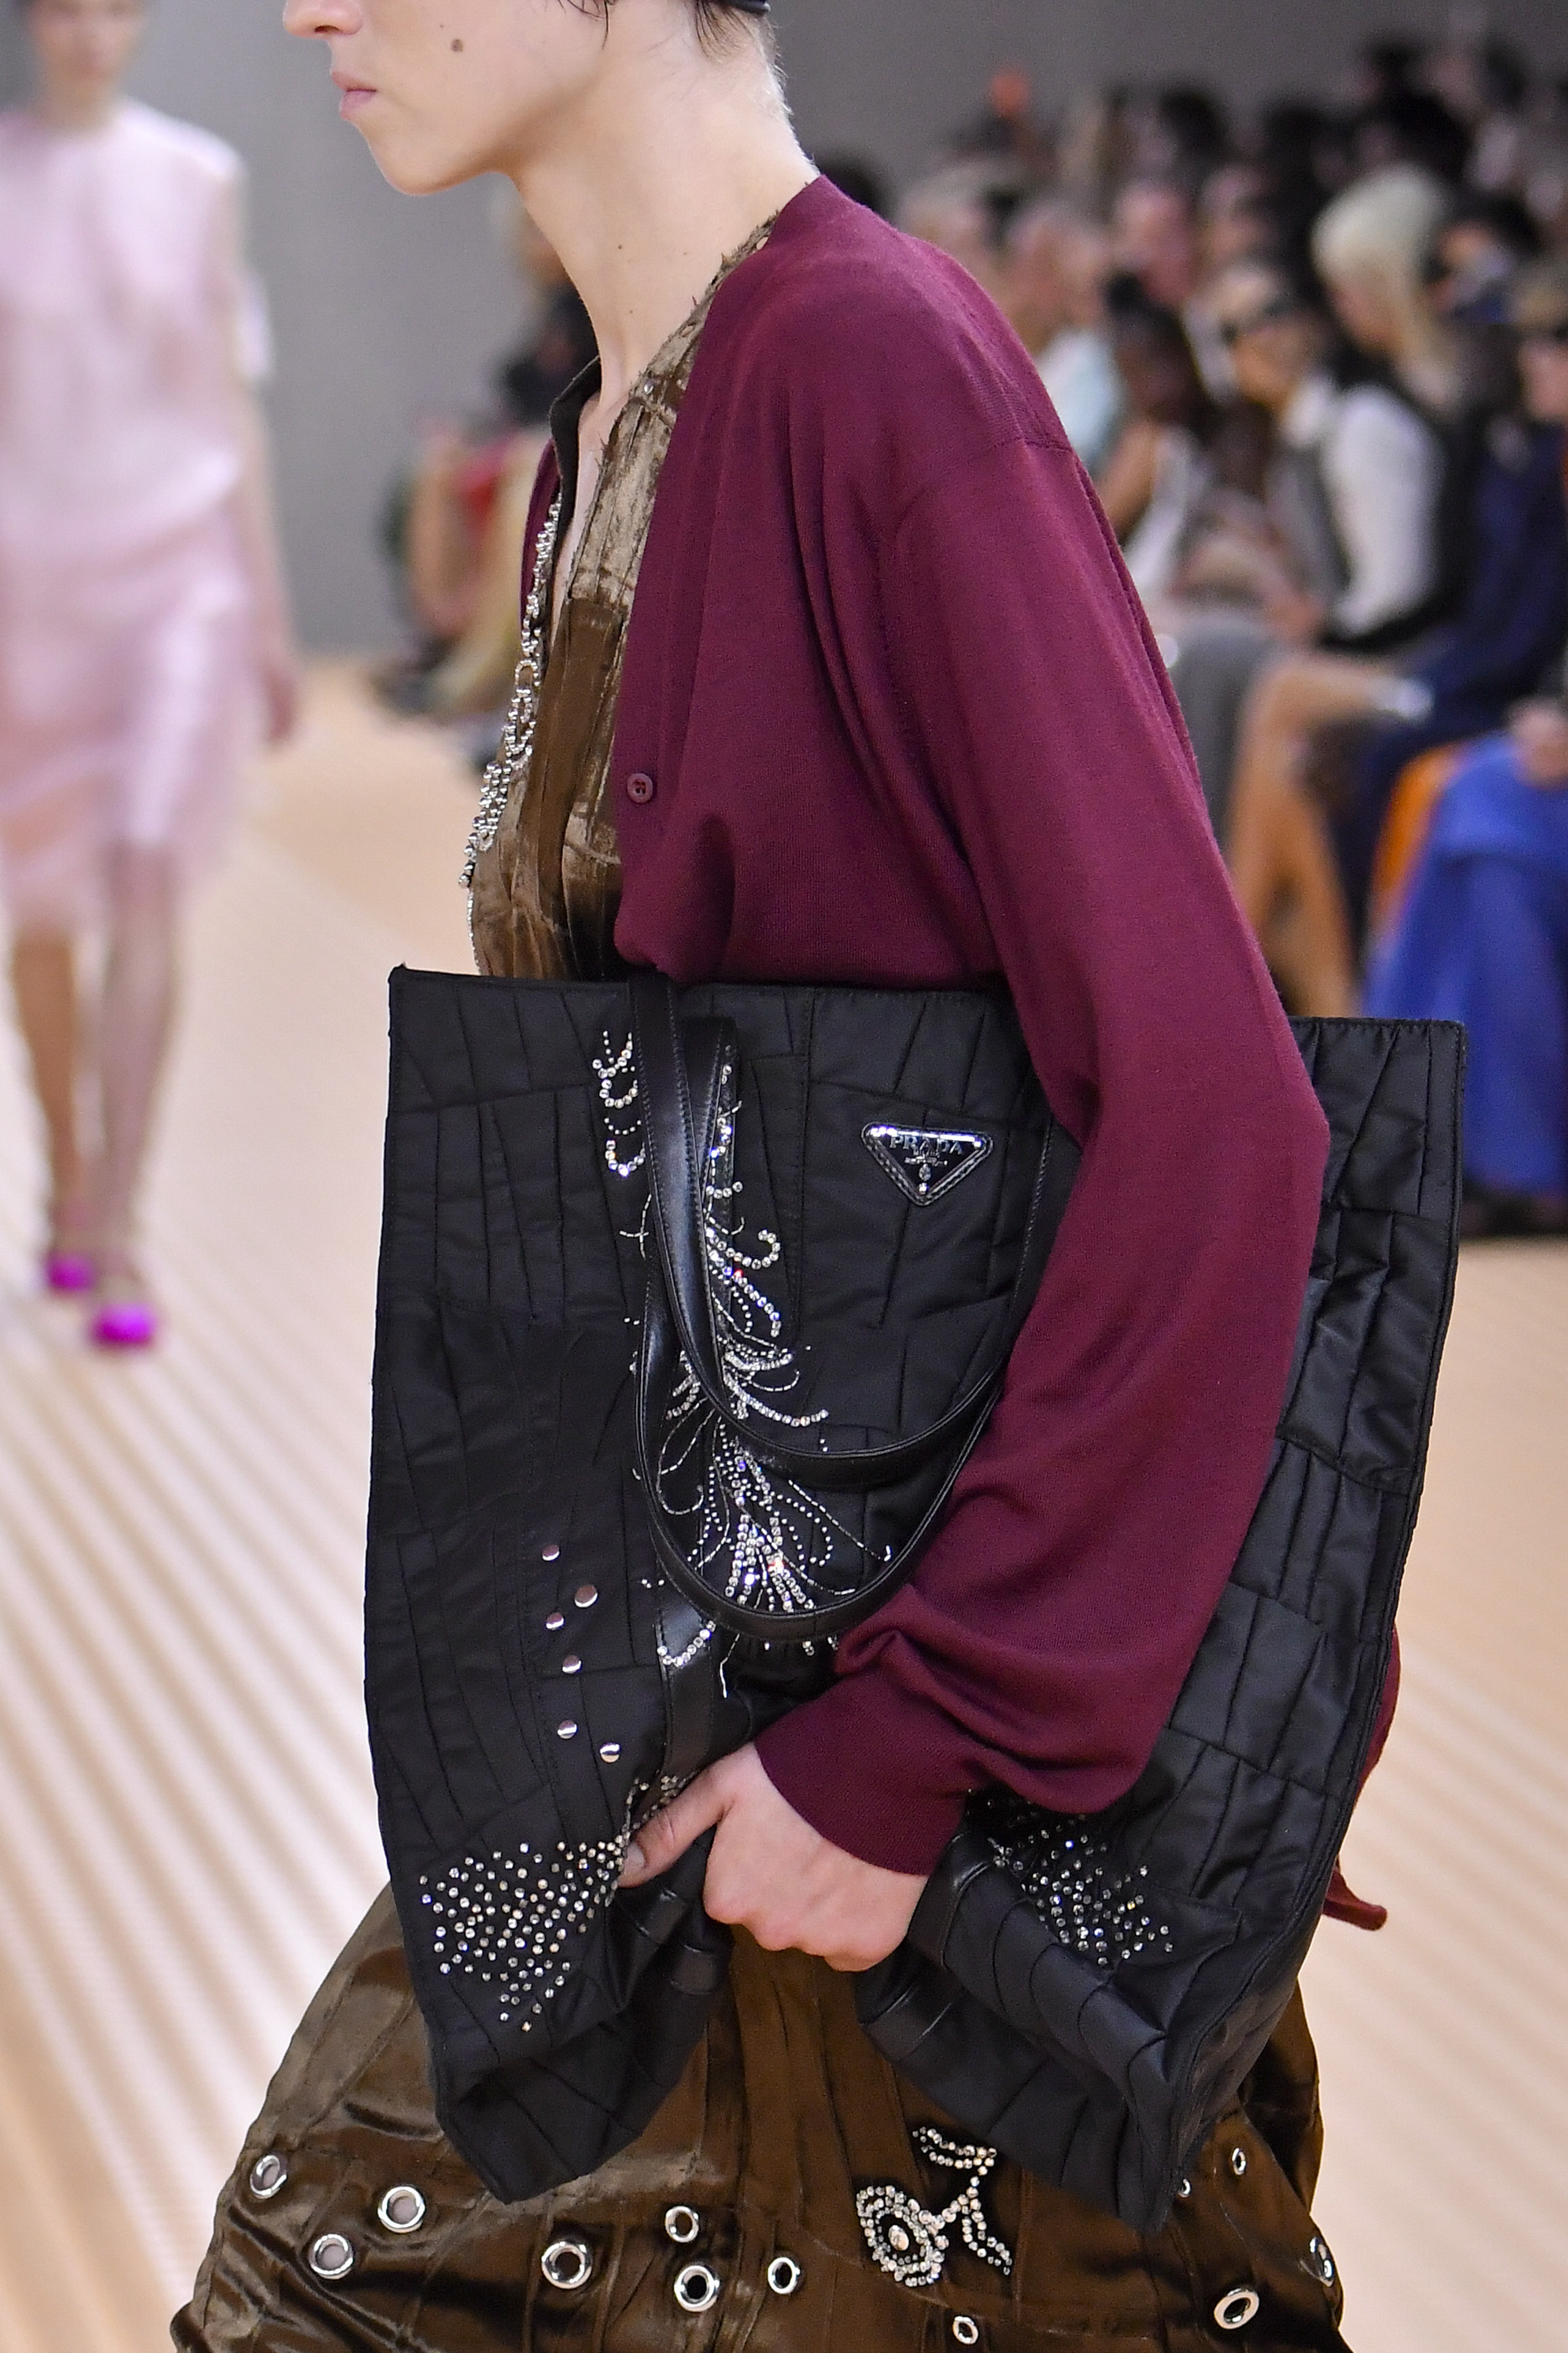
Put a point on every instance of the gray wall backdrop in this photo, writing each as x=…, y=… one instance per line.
x=388, y=310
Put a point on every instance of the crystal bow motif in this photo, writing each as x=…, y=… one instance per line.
x=924, y=1163
x=908, y=2241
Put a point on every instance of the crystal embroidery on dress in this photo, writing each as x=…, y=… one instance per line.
x=774, y=1543
x=909, y=2242
x=515, y=749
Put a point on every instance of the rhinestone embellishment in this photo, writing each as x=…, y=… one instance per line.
x=772, y=1544
x=908, y=2241
x=924, y=1163
x=1097, y=1905
x=510, y=1920
x=516, y=747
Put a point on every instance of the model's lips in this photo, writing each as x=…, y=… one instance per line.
x=356, y=95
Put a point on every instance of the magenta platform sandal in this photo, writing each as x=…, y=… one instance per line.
x=124, y=1323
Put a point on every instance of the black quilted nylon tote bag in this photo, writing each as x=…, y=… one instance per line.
x=691, y=1310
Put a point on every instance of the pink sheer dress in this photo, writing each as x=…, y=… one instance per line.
x=129, y=691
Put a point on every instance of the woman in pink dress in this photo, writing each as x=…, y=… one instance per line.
x=144, y=641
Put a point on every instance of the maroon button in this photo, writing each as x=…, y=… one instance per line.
x=640, y=788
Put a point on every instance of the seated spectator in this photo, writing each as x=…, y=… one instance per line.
x=1234, y=223
x=1482, y=937
x=1480, y=249
x=1161, y=470
x=1154, y=237
x=1181, y=134
x=1511, y=622
x=1341, y=551
x=1055, y=268
x=1371, y=249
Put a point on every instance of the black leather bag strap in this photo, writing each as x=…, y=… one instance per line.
x=679, y=1075
x=681, y=1070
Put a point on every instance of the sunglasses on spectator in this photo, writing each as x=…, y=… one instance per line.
x=1231, y=330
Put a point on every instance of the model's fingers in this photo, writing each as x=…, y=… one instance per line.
x=662, y=1841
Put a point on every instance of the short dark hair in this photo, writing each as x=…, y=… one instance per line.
x=716, y=19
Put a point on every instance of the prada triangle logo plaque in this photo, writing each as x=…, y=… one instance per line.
x=924, y=1163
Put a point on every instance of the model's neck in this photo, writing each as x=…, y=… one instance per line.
x=75, y=110
x=659, y=177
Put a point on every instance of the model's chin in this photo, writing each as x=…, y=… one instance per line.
x=405, y=163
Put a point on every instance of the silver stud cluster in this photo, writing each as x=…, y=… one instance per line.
x=1096, y=1904
x=516, y=747
x=910, y=2243
x=510, y=1920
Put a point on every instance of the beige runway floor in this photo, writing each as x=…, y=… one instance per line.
x=186, y=1826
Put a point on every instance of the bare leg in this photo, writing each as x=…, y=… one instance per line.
x=134, y=1025
x=43, y=976
x=1280, y=857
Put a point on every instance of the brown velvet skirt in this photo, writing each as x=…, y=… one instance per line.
x=733, y=2222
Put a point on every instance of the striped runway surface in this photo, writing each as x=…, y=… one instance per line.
x=186, y=1824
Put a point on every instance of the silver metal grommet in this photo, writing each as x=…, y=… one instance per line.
x=697, y=2288
x=555, y=1622
x=1238, y=2162
x=401, y=2211
x=785, y=2276
x=1183, y=2188
x=551, y=1552
x=586, y=1595
x=572, y=1664
x=332, y=2257
x=682, y=2223
x=1320, y=2262
x=611, y=1752
x=267, y=2176
x=1237, y=2306
x=567, y=2263
x=964, y=2330
x=567, y=1731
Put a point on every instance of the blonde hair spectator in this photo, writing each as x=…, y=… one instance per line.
x=1372, y=247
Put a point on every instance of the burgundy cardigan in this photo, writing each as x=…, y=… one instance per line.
x=892, y=715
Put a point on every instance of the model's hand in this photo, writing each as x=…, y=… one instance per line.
x=772, y=1874
x=1541, y=736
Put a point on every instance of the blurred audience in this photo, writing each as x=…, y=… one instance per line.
x=1056, y=266
x=1477, y=928
x=1288, y=350
x=456, y=526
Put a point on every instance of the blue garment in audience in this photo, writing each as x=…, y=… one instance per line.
x=1482, y=938
x=1511, y=627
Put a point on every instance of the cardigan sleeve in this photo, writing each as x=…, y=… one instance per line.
x=1046, y=1635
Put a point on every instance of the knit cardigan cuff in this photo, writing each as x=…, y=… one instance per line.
x=872, y=1769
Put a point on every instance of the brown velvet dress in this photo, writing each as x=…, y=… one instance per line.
x=349, y=2224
